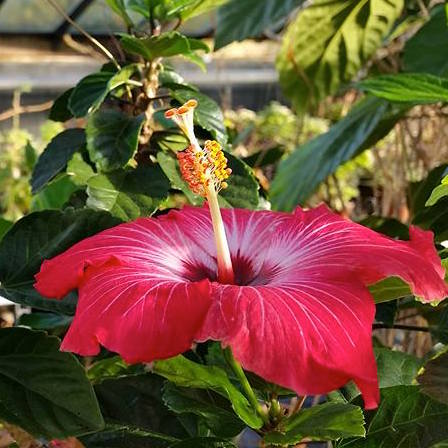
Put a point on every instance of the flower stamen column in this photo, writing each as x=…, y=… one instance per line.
x=205, y=170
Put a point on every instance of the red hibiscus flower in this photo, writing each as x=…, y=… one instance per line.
x=287, y=292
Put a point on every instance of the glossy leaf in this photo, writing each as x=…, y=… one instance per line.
x=136, y=400
x=39, y=236
x=56, y=156
x=60, y=110
x=218, y=415
x=128, y=194
x=197, y=7
x=438, y=192
x=328, y=43
x=299, y=174
x=427, y=50
x=406, y=418
x=54, y=195
x=79, y=171
x=185, y=373
x=112, y=138
x=44, y=321
x=165, y=45
x=417, y=88
x=391, y=288
x=328, y=421
x=207, y=115
x=119, y=7
x=112, y=368
x=238, y=20
x=44, y=390
x=91, y=91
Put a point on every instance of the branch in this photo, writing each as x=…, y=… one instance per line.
x=401, y=327
x=7, y=114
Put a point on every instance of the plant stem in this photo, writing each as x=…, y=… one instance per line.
x=247, y=388
x=401, y=327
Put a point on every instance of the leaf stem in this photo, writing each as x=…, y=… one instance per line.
x=247, y=388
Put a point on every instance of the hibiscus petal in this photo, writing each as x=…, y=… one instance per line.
x=161, y=244
x=311, y=337
x=332, y=246
x=124, y=309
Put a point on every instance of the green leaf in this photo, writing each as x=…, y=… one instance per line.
x=427, y=50
x=44, y=321
x=112, y=367
x=438, y=192
x=44, y=390
x=218, y=416
x=328, y=421
x=197, y=7
x=207, y=115
x=396, y=368
x=391, y=288
x=55, y=194
x=328, y=43
x=166, y=45
x=39, y=236
x=171, y=169
x=242, y=190
x=60, y=110
x=56, y=156
x=79, y=170
x=406, y=418
x=128, y=194
x=239, y=20
x=124, y=436
x=91, y=91
x=299, y=174
x=185, y=373
x=417, y=88
x=30, y=155
x=112, y=138
x=136, y=400
x=119, y=7
x=434, y=377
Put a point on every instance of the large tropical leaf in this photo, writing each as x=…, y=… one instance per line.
x=56, y=156
x=417, y=88
x=238, y=20
x=42, y=389
x=427, y=50
x=406, y=418
x=185, y=373
x=301, y=173
x=328, y=43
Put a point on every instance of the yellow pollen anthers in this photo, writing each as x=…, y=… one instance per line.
x=204, y=168
x=183, y=117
